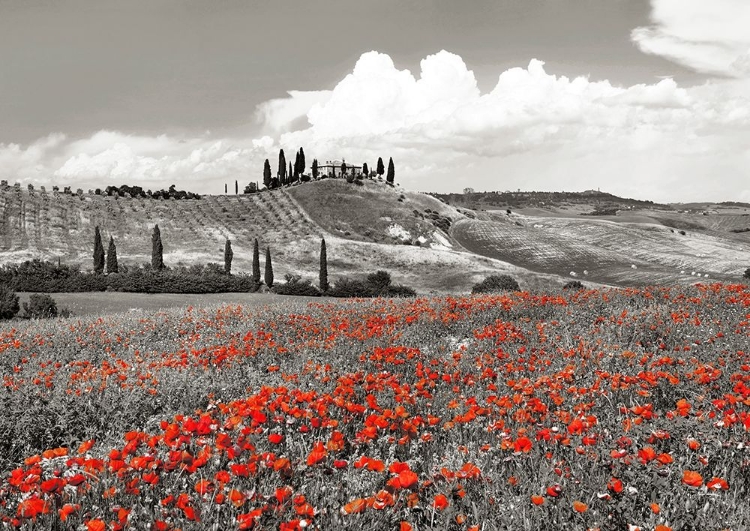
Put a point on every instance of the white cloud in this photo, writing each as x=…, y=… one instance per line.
x=534, y=130
x=709, y=36
x=280, y=114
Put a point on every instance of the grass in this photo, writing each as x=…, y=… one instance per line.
x=600, y=409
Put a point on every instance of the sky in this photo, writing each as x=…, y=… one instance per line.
x=645, y=99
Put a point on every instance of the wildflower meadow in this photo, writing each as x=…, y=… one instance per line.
x=615, y=409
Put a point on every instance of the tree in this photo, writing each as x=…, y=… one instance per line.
x=391, y=172
x=225, y=188
x=747, y=272
x=381, y=168
x=290, y=174
x=267, y=174
x=8, y=302
x=365, y=170
x=282, y=167
x=228, y=254
x=236, y=188
x=112, y=266
x=98, y=251
x=302, y=163
x=315, y=168
x=323, y=266
x=40, y=306
x=157, y=250
x=256, y=263
x=343, y=169
x=268, y=277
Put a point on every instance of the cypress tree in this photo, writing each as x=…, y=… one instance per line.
x=236, y=188
x=290, y=175
x=391, y=172
x=256, y=263
x=315, y=168
x=323, y=266
x=225, y=188
x=380, y=169
x=302, y=163
x=98, y=251
x=282, y=167
x=228, y=254
x=112, y=266
x=267, y=174
x=157, y=250
x=269, y=269
x=365, y=170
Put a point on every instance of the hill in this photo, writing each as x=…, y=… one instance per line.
x=423, y=241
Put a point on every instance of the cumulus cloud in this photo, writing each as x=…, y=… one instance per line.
x=711, y=37
x=533, y=130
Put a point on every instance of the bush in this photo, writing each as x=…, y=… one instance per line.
x=347, y=287
x=495, y=284
x=400, y=291
x=379, y=281
x=296, y=286
x=40, y=306
x=8, y=302
x=574, y=284
x=747, y=272
x=37, y=276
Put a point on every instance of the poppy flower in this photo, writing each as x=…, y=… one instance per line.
x=537, y=500
x=580, y=507
x=692, y=479
x=440, y=502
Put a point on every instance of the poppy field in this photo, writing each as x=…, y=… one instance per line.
x=617, y=409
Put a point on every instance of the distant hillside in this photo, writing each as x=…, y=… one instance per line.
x=492, y=200
x=424, y=242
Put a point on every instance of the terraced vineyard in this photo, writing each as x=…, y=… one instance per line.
x=612, y=253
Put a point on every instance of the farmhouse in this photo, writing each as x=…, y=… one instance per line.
x=333, y=168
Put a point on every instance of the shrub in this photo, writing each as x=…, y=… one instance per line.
x=8, y=302
x=40, y=306
x=347, y=287
x=495, y=284
x=747, y=272
x=379, y=281
x=400, y=291
x=574, y=284
x=296, y=286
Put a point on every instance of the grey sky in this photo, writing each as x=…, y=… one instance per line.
x=159, y=66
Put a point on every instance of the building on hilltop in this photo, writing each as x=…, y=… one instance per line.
x=332, y=168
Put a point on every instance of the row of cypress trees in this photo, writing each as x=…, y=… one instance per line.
x=157, y=258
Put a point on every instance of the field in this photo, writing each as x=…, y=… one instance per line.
x=615, y=253
x=601, y=409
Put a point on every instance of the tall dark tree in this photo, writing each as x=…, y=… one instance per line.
x=380, y=169
x=365, y=170
x=391, y=171
x=256, y=262
x=290, y=175
x=282, y=167
x=323, y=266
x=225, y=188
x=112, y=266
x=98, y=251
x=315, y=168
x=268, y=277
x=228, y=254
x=157, y=250
x=267, y=174
x=302, y=162
x=236, y=188
x=343, y=169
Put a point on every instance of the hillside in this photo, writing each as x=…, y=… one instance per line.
x=52, y=226
x=423, y=242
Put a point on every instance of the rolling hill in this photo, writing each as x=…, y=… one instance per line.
x=421, y=240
